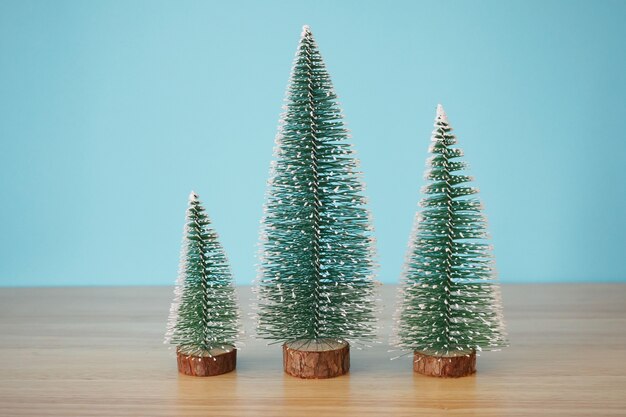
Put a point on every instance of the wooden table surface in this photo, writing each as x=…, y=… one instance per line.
x=99, y=352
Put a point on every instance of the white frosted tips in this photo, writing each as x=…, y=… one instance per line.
x=306, y=30
x=441, y=114
x=193, y=196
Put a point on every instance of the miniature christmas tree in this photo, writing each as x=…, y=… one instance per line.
x=204, y=320
x=449, y=302
x=316, y=291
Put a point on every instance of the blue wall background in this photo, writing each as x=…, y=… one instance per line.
x=111, y=112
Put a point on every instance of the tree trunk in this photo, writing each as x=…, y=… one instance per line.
x=451, y=366
x=211, y=363
x=314, y=359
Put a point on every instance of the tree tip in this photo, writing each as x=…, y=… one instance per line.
x=193, y=196
x=306, y=30
x=441, y=114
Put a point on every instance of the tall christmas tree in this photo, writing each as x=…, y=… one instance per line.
x=204, y=319
x=316, y=291
x=449, y=302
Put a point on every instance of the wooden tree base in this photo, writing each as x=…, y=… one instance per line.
x=316, y=359
x=451, y=366
x=211, y=363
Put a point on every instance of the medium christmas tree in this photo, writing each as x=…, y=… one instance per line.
x=204, y=320
x=316, y=291
x=449, y=302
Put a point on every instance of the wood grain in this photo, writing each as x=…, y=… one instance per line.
x=453, y=366
x=209, y=364
x=99, y=352
x=316, y=359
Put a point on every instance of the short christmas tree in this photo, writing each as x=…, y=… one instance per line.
x=204, y=319
x=316, y=291
x=449, y=302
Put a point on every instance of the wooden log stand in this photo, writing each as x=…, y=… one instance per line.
x=208, y=363
x=450, y=366
x=316, y=359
